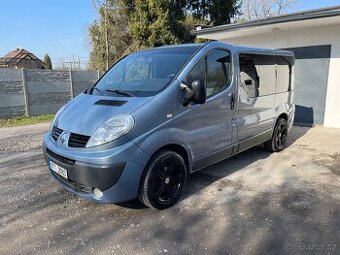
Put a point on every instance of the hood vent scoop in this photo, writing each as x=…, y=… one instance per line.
x=111, y=102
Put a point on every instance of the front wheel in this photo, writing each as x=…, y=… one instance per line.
x=279, y=138
x=163, y=180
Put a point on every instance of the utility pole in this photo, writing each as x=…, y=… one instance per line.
x=73, y=63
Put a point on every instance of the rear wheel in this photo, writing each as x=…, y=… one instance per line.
x=279, y=138
x=163, y=180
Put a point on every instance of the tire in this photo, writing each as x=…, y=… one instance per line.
x=279, y=137
x=163, y=180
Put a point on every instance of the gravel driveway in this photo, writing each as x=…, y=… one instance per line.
x=253, y=203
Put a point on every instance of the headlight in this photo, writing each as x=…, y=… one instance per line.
x=111, y=130
x=56, y=117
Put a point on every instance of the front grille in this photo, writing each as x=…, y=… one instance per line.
x=75, y=140
x=56, y=133
x=72, y=184
x=78, y=141
x=60, y=158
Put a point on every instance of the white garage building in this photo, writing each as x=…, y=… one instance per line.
x=314, y=36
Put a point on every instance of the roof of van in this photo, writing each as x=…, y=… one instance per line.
x=249, y=49
x=193, y=46
x=246, y=49
x=182, y=45
x=238, y=48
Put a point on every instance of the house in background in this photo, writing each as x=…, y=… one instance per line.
x=314, y=37
x=21, y=58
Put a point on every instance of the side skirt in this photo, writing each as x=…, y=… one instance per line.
x=214, y=158
x=253, y=141
x=232, y=150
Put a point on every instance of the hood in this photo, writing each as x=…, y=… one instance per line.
x=84, y=114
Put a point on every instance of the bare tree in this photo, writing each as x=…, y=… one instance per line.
x=108, y=34
x=261, y=9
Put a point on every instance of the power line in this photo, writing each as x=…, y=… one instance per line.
x=72, y=63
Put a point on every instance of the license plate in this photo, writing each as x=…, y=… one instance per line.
x=58, y=169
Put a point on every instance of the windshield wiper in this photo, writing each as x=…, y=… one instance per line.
x=95, y=88
x=120, y=92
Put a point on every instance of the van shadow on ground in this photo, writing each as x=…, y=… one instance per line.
x=205, y=177
x=42, y=218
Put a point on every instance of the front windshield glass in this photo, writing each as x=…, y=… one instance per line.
x=144, y=73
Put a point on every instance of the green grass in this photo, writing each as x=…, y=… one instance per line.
x=23, y=120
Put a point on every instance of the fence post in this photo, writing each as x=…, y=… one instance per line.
x=98, y=74
x=71, y=83
x=26, y=97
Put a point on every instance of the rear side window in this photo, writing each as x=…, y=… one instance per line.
x=257, y=74
x=283, y=70
x=214, y=70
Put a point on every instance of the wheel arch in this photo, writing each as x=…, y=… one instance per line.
x=178, y=149
x=181, y=150
x=283, y=116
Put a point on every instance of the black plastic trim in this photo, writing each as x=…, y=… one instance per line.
x=111, y=102
x=60, y=158
x=255, y=140
x=72, y=185
x=102, y=177
x=213, y=158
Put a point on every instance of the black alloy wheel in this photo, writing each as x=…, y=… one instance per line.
x=163, y=180
x=279, y=138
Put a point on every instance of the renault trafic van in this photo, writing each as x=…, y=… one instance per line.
x=160, y=114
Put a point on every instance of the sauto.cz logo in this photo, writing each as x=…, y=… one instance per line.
x=63, y=139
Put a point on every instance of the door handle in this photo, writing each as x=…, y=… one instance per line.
x=232, y=100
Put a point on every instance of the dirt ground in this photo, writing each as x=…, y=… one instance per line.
x=253, y=203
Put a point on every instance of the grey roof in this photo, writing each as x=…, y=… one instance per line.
x=297, y=16
x=182, y=45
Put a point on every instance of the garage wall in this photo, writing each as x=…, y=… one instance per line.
x=311, y=79
x=313, y=36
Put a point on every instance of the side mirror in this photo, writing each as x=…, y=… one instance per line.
x=196, y=93
x=200, y=92
x=187, y=94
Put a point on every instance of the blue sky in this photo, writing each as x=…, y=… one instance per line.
x=314, y=4
x=56, y=27
x=59, y=27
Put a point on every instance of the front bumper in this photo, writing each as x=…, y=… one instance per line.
x=116, y=172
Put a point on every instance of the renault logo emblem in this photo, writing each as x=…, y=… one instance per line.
x=63, y=139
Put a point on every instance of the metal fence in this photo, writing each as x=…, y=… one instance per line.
x=33, y=92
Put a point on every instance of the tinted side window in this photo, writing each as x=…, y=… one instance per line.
x=218, y=71
x=257, y=74
x=249, y=76
x=283, y=70
x=197, y=73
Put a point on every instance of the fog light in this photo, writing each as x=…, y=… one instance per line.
x=97, y=193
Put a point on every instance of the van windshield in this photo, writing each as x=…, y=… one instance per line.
x=144, y=73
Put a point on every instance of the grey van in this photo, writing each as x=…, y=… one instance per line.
x=160, y=114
